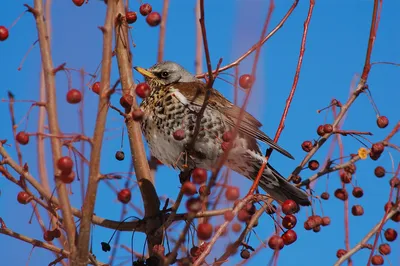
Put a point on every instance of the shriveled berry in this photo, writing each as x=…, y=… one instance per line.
x=245, y=254
x=188, y=188
x=374, y=156
x=345, y=177
x=317, y=219
x=317, y=228
x=228, y=216
x=384, y=249
x=382, y=121
x=145, y=9
x=96, y=87
x=313, y=165
x=195, y=251
x=377, y=148
x=250, y=208
x=67, y=178
x=394, y=181
x=326, y=221
x=328, y=128
x=236, y=227
x=396, y=217
x=124, y=195
x=204, y=231
x=23, y=197
x=78, y=2
x=126, y=101
x=246, y=81
x=351, y=169
x=3, y=33
x=325, y=196
x=289, y=207
x=199, y=176
x=379, y=171
x=65, y=164
x=320, y=130
x=390, y=234
x=341, y=194
x=137, y=115
x=56, y=233
x=142, y=90
x=289, y=237
x=179, y=134
x=153, y=19
x=48, y=236
x=22, y=138
x=289, y=221
x=340, y=253
x=358, y=192
x=130, y=17
x=194, y=205
x=307, y=146
x=357, y=210
x=275, y=242
x=377, y=260
x=120, y=155
x=232, y=193
x=74, y=96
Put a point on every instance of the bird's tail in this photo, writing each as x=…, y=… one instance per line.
x=281, y=189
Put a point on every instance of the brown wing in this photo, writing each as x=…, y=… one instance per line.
x=195, y=93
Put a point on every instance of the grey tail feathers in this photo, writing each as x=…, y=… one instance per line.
x=285, y=190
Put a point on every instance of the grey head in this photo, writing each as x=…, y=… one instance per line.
x=165, y=73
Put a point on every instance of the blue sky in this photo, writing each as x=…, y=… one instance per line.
x=335, y=53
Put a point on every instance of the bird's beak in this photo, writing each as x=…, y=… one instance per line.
x=145, y=73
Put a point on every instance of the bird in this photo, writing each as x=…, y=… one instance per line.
x=169, y=122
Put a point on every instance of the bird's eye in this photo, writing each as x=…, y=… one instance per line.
x=164, y=74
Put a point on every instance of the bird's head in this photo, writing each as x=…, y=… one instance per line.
x=165, y=73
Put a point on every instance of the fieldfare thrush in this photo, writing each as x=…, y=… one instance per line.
x=175, y=99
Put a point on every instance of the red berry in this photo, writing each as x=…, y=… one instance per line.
x=243, y=215
x=48, y=236
x=126, y=101
x=382, y=121
x=145, y=9
x=377, y=260
x=130, y=17
x=236, y=227
x=120, y=155
x=341, y=194
x=124, y=195
x=199, y=176
x=289, y=207
x=22, y=138
x=153, y=19
x=340, y=253
x=56, y=233
x=137, y=115
x=307, y=225
x=328, y=128
x=320, y=130
x=345, y=177
x=396, y=217
x=179, y=134
x=358, y=192
x=246, y=81
x=326, y=221
x=96, y=87
x=357, y=210
x=225, y=146
x=289, y=221
x=317, y=220
x=195, y=251
x=394, y=181
x=276, y=242
x=307, y=146
x=203, y=191
x=74, y=96
x=384, y=249
x=188, y=188
x=159, y=249
x=3, y=33
x=380, y=171
x=289, y=237
x=194, y=205
x=65, y=164
x=78, y=2
x=313, y=165
x=390, y=234
x=143, y=90
x=23, y=197
x=388, y=206
x=317, y=228
x=325, y=196
x=245, y=254
x=377, y=148
x=232, y=193
x=67, y=178
x=351, y=169
x=204, y=231
x=228, y=216
x=227, y=136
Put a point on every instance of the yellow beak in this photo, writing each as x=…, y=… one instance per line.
x=145, y=72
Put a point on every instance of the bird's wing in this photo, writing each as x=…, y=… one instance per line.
x=195, y=93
